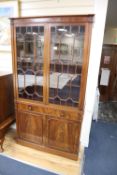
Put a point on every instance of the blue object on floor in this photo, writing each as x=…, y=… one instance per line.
x=101, y=155
x=10, y=166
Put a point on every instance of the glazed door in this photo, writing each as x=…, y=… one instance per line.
x=30, y=62
x=66, y=60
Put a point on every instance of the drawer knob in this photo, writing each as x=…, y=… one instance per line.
x=30, y=107
x=62, y=114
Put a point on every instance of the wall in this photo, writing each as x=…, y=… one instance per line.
x=62, y=7
x=5, y=56
x=110, y=36
x=5, y=61
x=55, y=7
x=95, y=56
x=47, y=7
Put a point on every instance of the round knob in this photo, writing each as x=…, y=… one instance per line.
x=30, y=107
x=62, y=114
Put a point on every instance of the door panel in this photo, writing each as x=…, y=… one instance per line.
x=62, y=134
x=30, y=127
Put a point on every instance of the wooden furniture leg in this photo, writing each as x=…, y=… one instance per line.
x=1, y=144
x=3, y=129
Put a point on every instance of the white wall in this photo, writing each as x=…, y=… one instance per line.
x=5, y=54
x=56, y=7
x=62, y=7
x=5, y=62
x=95, y=56
x=46, y=7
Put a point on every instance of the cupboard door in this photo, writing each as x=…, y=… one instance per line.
x=63, y=135
x=66, y=60
x=30, y=127
x=29, y=58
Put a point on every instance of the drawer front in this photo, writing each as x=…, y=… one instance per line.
x=52, y=111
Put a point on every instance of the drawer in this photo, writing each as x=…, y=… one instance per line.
x=50, y=110
x=27, y=107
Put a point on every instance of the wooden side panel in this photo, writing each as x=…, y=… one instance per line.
x=6, y=97
x=30, y=127
x=62, y=134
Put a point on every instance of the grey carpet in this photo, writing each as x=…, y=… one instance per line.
x=101, y=156
x=10, y=166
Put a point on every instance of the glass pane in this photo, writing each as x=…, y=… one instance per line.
x=66, y=64
x=30, y=42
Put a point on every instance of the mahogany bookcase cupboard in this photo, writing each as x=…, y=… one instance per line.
x=50, y=63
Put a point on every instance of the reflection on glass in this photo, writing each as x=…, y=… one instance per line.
x=66, y=64
x=30, y=42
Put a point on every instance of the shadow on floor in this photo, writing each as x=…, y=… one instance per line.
x=108, y=111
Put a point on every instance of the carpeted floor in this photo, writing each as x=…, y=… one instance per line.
x=101, y=156
x=10, y=166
